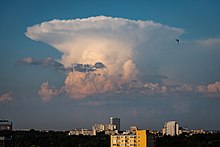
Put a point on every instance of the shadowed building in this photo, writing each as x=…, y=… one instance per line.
x=115, y=121
x=5, y=133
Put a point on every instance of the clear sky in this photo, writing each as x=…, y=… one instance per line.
x=73, y=63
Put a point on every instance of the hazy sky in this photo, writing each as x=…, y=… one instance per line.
x=71, y=64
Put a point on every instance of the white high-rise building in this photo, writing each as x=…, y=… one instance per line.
x=104, y=127
x=115, y=121
x=171, y=128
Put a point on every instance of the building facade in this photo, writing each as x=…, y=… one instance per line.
x=115, y=121
x=5, y=133
x=171, y=128
x=82, y=132
x=104, y=127
x=141, y=138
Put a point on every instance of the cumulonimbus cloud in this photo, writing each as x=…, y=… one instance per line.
x=100, y=54
x=111, y=45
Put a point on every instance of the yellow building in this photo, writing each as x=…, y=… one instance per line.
x=141, y=138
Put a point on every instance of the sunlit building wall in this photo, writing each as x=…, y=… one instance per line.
x=82, y=132
x=141, y=138
x=171, y=128
x=104, y=127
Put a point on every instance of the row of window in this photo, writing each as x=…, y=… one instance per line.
x=124, y=141
x=126, y=145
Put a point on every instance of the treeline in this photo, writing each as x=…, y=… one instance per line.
x=35, y=138
x=196, y=140
x=57, y=139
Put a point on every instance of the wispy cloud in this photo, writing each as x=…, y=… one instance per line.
x=211, y=42
x=51, y=63
x=211, y=90
x=6, y=97
x=48, y=62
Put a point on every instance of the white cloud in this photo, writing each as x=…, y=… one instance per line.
x=115, y=42
x=215, y=87
x=211, y=42
x=201, y=89
x=153, y=88
x=47, y=92
x=79, y=85
x=6, y=97
x=209, y=90
x=184, y=88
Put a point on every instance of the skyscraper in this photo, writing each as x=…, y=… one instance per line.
x=115, y=121
x=171, y=128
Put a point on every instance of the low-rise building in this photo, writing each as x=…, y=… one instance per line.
x=82, y=132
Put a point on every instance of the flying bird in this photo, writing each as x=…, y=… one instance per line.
x=178, y=41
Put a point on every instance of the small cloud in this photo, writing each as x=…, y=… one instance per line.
x=212, y=42
x=184, y=88
x=47, y=93
x=48, y=62
x=201, y=89
x=155, y=88
x=210, y=90
x=215, y=87
x=27, y=60
x=6, y=97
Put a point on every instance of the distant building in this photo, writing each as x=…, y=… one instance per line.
x=98, y=127
x=5, y=133
x=5, y=125
x=199, y=131
x=82, y=132
x=108, y=129
x=132, y=130
x=171, y=128
x=103, y=127
x=115, y=121
x=141, y=138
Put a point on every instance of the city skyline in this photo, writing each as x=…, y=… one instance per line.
x=76, y=63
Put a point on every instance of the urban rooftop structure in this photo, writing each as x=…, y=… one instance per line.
x=133, y=138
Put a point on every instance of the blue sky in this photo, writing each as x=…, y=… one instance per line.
x=154, y=80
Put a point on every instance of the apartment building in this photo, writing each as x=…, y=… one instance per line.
x=141, y=138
